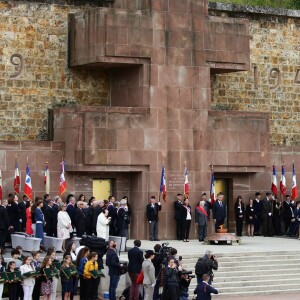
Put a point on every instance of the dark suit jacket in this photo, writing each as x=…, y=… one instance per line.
x=178, y=210
x=113, y=263
x=55, y=213
x=287, y=211
x=257, y=207
x=71, y=211
x=4, y=218
x=238, y=213
x=266, y=208
x=79, y=220
x=203, y=291
x=135, y=260
x=152, y=212
x=112, y=212
x=49, y=218
x=121, y=224
x=184, y=212
x=22, y=212
x=13, y=212
x=219, y=213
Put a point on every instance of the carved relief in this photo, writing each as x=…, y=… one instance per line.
x=276, y=74
x=18, y=62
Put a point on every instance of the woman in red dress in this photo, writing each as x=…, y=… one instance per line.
x=29, y=219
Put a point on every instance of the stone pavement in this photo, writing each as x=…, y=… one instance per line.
x=248, y=244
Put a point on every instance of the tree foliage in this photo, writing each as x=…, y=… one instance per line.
x=289, y=4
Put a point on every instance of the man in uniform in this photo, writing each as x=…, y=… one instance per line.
x=152, y=210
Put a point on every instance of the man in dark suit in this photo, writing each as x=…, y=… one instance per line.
x=113, y=263
x=135, y=260
x=204, y=290
x=267, y=215
x=79, y=219
x=219, y=211
x=71, y=209
x=49, y=219
x=112, y=212
x=152, y=210
x=288, y=213
x=4, y=223
x=22, y=213
x=178, y=216
x=257, y=205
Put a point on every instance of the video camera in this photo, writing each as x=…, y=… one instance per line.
x=189, y=273
x=165, y=250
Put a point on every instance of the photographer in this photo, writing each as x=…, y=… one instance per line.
x=206, y=265
x=171, y=281
x=184, y=283
x=157, y=262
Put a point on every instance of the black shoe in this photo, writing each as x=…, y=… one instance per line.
x=151, y=239
x=156, y=239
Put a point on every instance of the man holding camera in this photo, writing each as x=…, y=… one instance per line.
x=206, y=265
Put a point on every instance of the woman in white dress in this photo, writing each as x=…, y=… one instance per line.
x=103, y=225
x=64, y=226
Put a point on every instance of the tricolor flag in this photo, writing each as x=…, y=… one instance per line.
x=17, y=181
x=212, y=187
x=47, y=179
x=186, y=183
x=274, y=181
x=163, y=187
x=1, y=190
x=62, y=183
x=283, y=181
x=28, y=185
x=294, y=185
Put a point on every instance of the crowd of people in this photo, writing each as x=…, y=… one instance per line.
x=59, y=219
x=268, y=216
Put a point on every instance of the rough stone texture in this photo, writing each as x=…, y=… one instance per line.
x=39, y=33
x=274, y=46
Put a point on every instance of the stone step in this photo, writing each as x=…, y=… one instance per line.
x=219, y=278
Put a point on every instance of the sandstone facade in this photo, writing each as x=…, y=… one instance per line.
x=273, y=82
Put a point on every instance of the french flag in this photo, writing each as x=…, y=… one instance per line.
x=294, y=185
x=274, y=181
x=186, y=183
x=163, y=187
x=212, y=187
x=28, y=185
x=17, y=180
x=283, y=181
x=62, y=183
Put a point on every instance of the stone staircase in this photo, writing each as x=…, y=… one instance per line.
x=253, y=274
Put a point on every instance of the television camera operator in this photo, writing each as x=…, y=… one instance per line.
x=206, y=265
x=184, y=283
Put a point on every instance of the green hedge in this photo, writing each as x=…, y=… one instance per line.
x=290, y=4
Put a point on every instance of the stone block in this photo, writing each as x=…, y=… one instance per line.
x=249, y=141
x=155, y=139
x=179, y=57
x=173, y=161
x=119, y=157
x=178, y=21
x=174, y=139
x=178, y=6
x=95, y=157
x=136, y=139
x=225, y=141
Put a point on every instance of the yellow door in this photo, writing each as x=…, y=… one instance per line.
x=101, y=188
x=221, y=185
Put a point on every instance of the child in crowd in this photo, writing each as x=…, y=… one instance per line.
x=27, y=283
x=21, y=256
x=52, y=253
x=15, y=254
x=80, y=262
x=38, y=281
x=46, y=286
x=90, y=281
x=14, y=287
x=2, y=269
x=67, y=284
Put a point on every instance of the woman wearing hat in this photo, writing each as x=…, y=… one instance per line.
x=149, y=275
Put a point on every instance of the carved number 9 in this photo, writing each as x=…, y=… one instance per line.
x=17, y=61
x=276, y=74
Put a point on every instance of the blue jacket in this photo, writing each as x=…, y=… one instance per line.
x=203, y=291
x=113, y=263
x=39, y=216
x=135, y=260
x=81, y=265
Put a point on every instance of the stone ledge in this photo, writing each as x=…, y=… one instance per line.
x=102, y=109
x=253, y=9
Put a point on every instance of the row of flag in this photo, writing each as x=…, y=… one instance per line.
x=28, y=190
x=282, y=185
